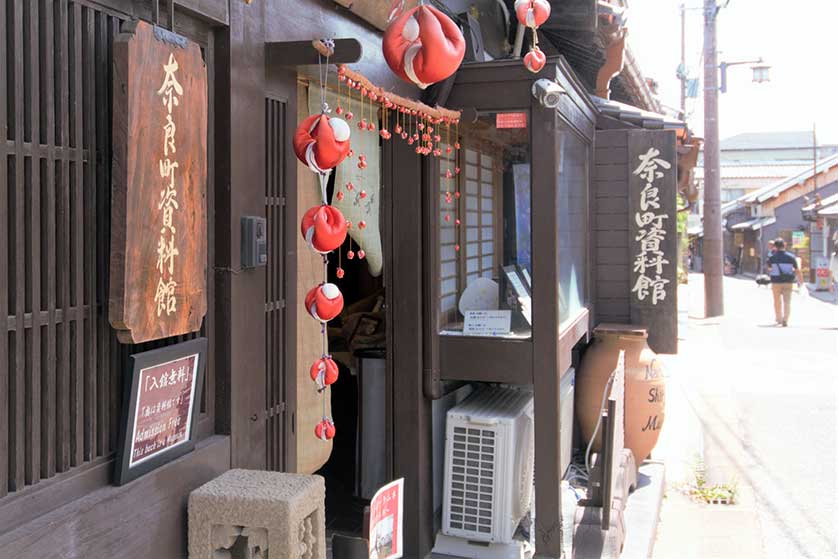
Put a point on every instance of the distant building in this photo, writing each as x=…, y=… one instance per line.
x=783, y=209
x=756, y=159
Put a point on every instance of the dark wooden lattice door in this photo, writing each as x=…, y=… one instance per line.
x=275, y=292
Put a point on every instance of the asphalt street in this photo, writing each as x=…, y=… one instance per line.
x=765, y=400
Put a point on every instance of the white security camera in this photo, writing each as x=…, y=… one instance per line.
x=548, y=93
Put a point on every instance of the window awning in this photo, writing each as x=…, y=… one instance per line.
x=754, y=224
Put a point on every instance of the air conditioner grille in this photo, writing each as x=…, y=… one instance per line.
x=472, y=487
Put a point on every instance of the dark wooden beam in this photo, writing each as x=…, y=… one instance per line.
x=216, y=12
x=303, y=53
x=546, y=350
x=411, y=411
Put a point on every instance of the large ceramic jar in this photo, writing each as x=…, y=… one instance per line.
x=644, y=387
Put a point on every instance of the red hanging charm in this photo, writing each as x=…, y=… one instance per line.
x=324, y=371
x=532, y=13
x=322, y=142
x=324, y=302
x=535, y=60
x=325, y=430
x=423, y=46
x=323, y=228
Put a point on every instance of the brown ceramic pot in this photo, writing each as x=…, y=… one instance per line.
x=644, y=389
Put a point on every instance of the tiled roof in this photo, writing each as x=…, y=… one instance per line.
x=768, y=140
x=633, y=115
x=756, y=171
x=775, y=189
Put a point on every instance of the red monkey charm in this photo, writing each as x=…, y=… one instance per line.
x=423, y=46
x=535, y=60
x=532, y=13
x=324, y=371
x=322, y=142
x=324, y=302
x=325, y=430
x=323, y=228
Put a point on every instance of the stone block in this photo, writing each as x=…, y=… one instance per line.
x=247, y=514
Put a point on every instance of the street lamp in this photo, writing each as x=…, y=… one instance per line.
x=760, y=71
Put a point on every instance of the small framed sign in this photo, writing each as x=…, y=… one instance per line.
x=160, y=407
x=487, y=323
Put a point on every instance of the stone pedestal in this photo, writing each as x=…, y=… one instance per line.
x=247, y=514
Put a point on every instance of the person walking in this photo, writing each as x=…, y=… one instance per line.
x=783, y=270
x=833, y=270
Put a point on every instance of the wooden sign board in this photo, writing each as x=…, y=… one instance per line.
x=159, y=187
x=161, y=405
x=653, y=242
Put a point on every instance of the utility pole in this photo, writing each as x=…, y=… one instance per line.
x=683, y=75
x=713, y=254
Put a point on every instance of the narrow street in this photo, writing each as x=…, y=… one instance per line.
x=759, y=404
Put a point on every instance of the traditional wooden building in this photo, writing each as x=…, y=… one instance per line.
x=551, y=189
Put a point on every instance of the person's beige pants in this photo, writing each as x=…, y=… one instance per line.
x=782, y=301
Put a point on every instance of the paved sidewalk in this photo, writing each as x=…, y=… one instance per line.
x=758, y=405
x=690, y=530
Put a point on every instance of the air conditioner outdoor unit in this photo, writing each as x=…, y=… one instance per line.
x=488, y=484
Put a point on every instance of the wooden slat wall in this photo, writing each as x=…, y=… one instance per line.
x=275, y=305
x=610, y=214
x=60, y=362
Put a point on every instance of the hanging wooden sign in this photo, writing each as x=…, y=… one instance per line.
x=653, y=241
x=159, y=185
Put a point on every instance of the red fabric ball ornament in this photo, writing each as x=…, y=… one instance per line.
x=325, y=430
x=350, y=186
x=362, y=124
x=321, y=142
x=532, y=13
x=350, y=255
x=361, y=254
x=349, y=116
x=323, y=228
x=403, y=135
x=339, y=195
x=324, y=302
x=362, y=224
x=423, y=46
x=363, y=194
x=324, y=372
x=535, y=60
x=456, y=222
x=340, y=273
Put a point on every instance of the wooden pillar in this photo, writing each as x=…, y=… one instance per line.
x=546, y=369
x=240, y=87
x=411, y=411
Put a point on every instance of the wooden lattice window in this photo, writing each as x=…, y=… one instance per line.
x=60, y=363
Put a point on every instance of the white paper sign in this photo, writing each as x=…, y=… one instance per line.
x=487, y=323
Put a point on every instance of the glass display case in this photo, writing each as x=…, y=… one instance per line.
x=485, y=234
x=508, y=239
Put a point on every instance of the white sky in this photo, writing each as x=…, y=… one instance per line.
x=796, y=38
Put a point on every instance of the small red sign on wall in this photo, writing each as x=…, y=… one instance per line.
x=511, y=120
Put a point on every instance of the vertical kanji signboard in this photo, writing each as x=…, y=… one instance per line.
x=653, y=237
x=159, y=185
